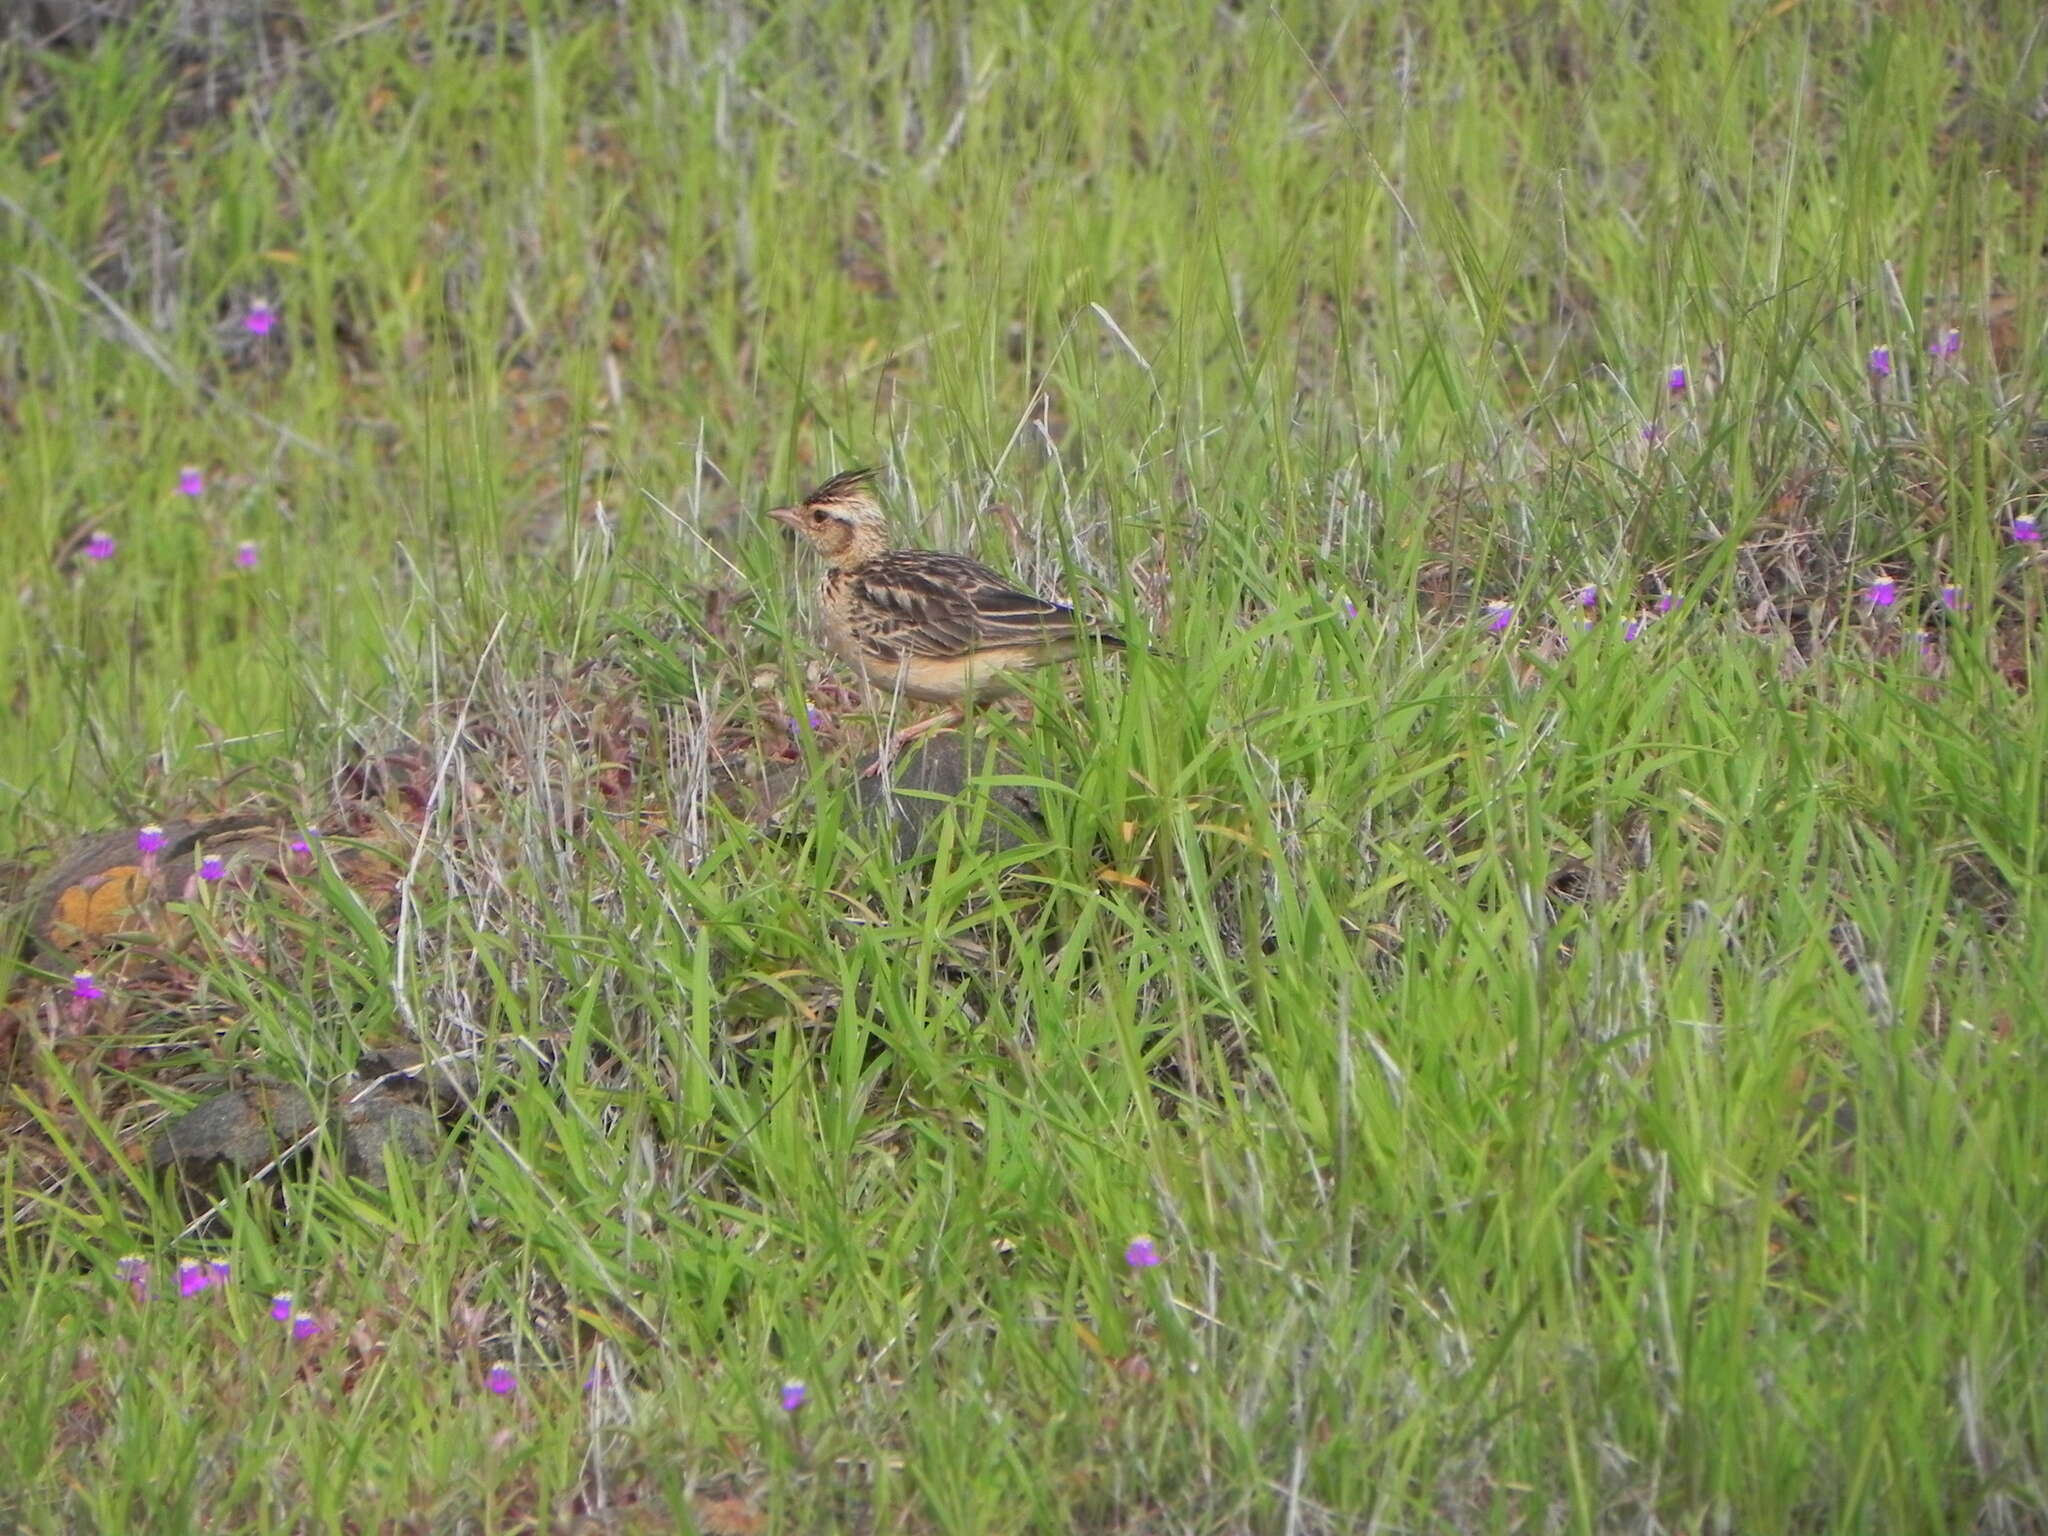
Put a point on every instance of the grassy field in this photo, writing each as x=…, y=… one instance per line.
x=1573, y=1054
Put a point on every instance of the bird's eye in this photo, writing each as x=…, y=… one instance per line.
x=818, y=515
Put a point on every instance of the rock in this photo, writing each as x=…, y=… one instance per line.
x=371, y=1124
x=244, y=1130
x=97, y=890
x=938, y=772
x=448, y=1085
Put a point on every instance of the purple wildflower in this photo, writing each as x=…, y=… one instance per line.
x=1653, y=434
x=246, y=554
x=149, y=842
x=100, y=547
x=1348, y=608
x=1881, y=362
x=793, y=1394
x=260, y=319
x=306, y=1326
x=1883, y=592
x=1631, y=629
x=191, y=482
x=84, y=993
x=1676, y=380
x=134, y=1269
x=1947, y=345
x=501, y=1378
x=2025, y=530
x=1668, y=602
x=212, y=867
x=1952, y=598
x=217, y=1272
x=1589, y=597
x=302, y=845
x=193, y=1277
x=1141, y=1252
x=1499, y=616
x=281, y=1306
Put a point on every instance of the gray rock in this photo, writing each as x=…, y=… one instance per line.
x=244, y=1130
x=447, y=1085
x=248, y=1128
x=371, y=1124
x=937, y=773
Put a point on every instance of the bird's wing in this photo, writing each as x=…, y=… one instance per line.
x=922, y=603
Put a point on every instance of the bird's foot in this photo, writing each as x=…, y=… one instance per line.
x=950, y=716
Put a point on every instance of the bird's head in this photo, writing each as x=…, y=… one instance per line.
x=841, y=518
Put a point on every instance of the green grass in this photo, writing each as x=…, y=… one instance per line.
x=1466, y=1014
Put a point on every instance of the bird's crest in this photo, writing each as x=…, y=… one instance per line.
x=849, y=486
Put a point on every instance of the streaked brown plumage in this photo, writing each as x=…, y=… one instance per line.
x=931, y=626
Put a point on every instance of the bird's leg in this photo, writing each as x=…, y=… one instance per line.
x=951, y=715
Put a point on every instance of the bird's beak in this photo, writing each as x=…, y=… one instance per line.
x=793, y=516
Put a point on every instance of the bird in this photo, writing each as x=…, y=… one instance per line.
x=927, y=625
